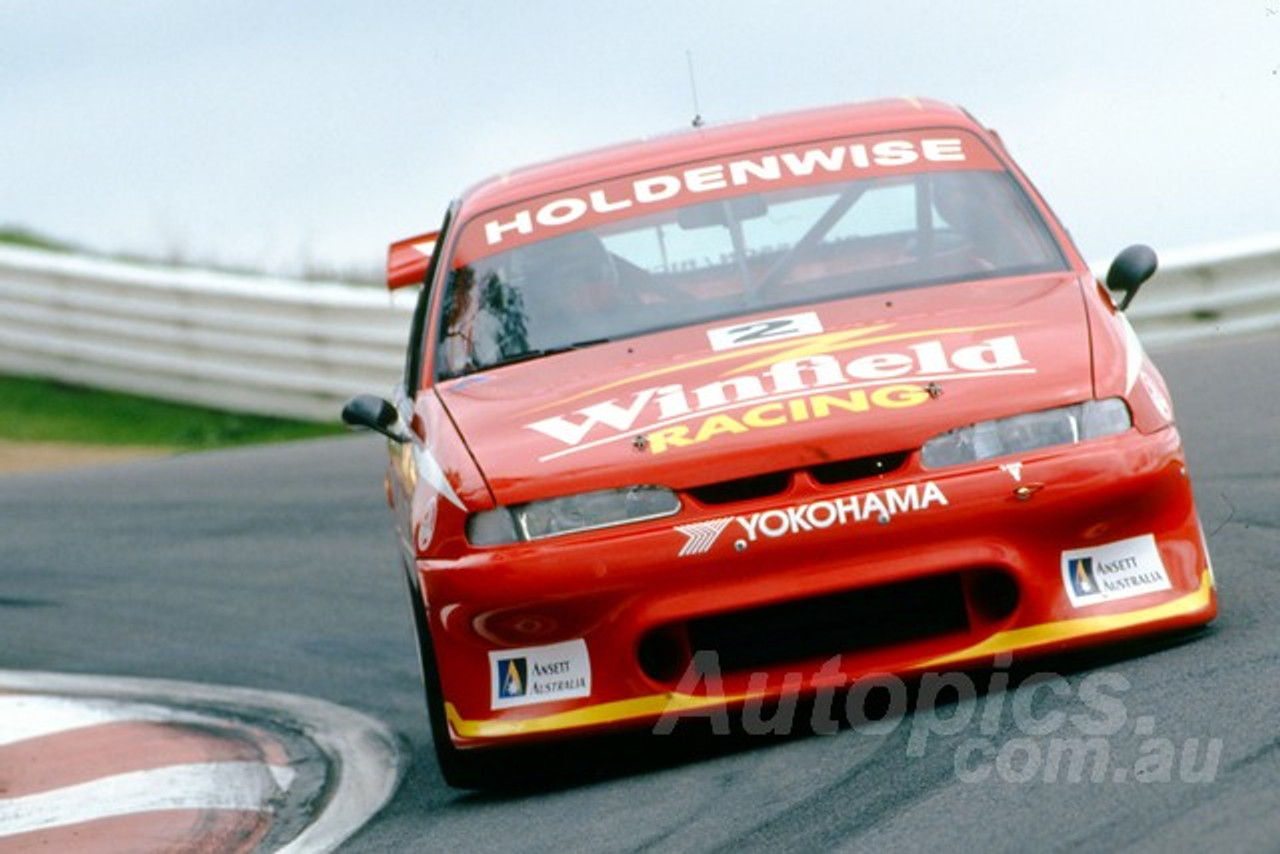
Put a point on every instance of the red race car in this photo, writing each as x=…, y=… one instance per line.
x=765, y=408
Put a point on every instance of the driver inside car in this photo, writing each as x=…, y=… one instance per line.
x=571, y=290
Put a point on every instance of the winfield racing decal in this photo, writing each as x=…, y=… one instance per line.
x=880, y=506
x=804, y=382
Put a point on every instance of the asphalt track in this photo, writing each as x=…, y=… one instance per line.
x=273, y=569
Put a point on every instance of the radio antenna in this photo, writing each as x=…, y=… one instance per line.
x=693, y=86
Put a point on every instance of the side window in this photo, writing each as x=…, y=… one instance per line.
x=415, y=351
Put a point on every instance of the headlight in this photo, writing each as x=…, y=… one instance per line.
x=1019, y=434
x=571, y=514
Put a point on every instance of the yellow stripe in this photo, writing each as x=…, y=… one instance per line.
x=817, y=340
x=838, y=342
x=619, y=710
x=825, y=343
x=1047, y=633
x=671, y=703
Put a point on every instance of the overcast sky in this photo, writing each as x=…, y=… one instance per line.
x=285, y=134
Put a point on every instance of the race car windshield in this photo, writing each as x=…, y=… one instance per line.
x=689, y=264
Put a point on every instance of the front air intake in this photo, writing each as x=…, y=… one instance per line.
x=808, y=629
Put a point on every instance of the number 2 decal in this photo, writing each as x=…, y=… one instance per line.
x=767, y=329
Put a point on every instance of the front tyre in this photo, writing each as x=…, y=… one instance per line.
x=461, y=769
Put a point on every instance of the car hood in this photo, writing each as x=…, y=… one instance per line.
x=785, y=389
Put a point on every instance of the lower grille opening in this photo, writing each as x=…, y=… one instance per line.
x=662, y=656
x=743, y=489
x=881, y=616
x=993, y=595
x=775, y=483
x=844, y=471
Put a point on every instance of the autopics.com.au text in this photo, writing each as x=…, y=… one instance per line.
x=1047, y=728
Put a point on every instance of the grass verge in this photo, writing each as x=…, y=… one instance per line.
x=34, y=410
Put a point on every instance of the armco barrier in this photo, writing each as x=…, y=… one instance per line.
x=245, y=343
x=1227, y=288
x=300, y=349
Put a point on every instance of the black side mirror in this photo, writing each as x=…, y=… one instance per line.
x=1132, y=267
x=374, y=413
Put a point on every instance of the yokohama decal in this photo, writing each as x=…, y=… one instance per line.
x=880, y=507
x=701, y=535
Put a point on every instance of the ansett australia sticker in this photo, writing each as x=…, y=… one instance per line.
x=1113, y=571
x=539, y=674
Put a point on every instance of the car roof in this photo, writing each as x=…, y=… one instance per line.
x=698, y=143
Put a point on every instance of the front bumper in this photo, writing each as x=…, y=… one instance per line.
x=819, y=586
